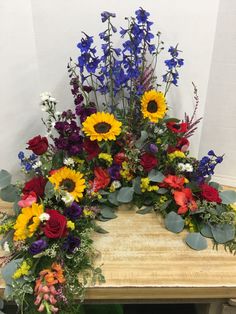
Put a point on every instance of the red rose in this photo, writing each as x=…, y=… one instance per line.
x=177, y=127
x=38, y=145
x=56, y=225
x=119, y=158
x=183, y=144
x=148, y=161
x=91, y=148
x=210, y=194
x=36, y=185
x=101, y=180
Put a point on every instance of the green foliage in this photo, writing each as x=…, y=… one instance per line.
x=228, y=197
x=57, y=160
x=125, y=195
x=107, y=212
x=174, y=222
x=223, y=233
x=206, y=231
x=144, y=136
x=196, y=241
x=112, y=198
x=9, y=193
x=99, y=229
x=145, y=210
x=5, y=178
x=156, y=176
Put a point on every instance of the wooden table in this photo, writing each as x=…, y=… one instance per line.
x=143, y=262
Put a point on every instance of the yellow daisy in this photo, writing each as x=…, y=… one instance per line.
x=102, y=126
x=27, y=222
x=70, y=181
x=153, y=105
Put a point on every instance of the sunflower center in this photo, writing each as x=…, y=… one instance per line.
x=102, y=127
x=152, y=106
x=68, y=185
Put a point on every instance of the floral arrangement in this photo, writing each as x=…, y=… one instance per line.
x=119, y=146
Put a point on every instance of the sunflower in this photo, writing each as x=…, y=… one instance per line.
x=102, y=126
x=70, y=181
x=153, y=105
x=27, y=222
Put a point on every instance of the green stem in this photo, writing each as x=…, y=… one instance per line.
x=94, y=90
x=110, y=63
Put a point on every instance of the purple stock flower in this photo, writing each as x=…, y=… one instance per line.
x=83, y=112
x=71, y=243
x=37, y=246
x=153, y=148
x=74, y=211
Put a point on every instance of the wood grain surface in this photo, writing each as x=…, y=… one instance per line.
x=141, y=260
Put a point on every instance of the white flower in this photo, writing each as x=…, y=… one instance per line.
x=67, y=198
x=116, y=184
x=181, y=166
x=188, y=168
x=38, y=164
x=44, y=217
x=52, y=99
x=6, y=247
x=45, y=96
x=69, y=162
x=58, y=113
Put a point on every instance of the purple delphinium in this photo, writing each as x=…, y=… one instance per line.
x=71, y=243
x=37, y=247
x=74, y=211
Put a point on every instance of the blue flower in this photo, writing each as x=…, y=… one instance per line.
x=171, y=63
x=85, y=44
x=141, y=16
x=74, y=211
x=21, y=155
x=211, y=153
x=106, y=15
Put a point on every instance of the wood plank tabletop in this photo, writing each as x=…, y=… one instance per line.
x=141, y=260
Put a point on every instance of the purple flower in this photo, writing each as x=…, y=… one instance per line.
x=153, y=148
x=114, y=172
x=37, y=246
x=83, y=112
x=106, y=15
x=74, y=211
x=71, y=243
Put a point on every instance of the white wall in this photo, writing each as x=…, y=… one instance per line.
x=219, y=127
x=38, y=37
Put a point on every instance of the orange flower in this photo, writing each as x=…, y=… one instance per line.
x=184, y=199
x=174, y=181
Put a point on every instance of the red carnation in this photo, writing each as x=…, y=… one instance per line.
x=91, y=148
x=148, y=161
x=56, y=225
x=102, y=179
x=38, y=145
x=210, y=194
x=177, y=127
x=174, y=181
x=119, y=158
x=36, y=185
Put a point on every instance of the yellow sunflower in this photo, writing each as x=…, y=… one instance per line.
x=27, y=222
x=102, y=126
x=153, y=105
x=70, y=181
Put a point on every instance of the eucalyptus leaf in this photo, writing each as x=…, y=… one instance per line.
x=107, y=213
x=228, y=197
x=9, y=269
x=206, y=231
x=9, y=193
x=162, y=191
x=215, y=185
x=125, y=195
x=7, y=291
x=99, y=229
x=5, y=178
x=144, y=210
x=139, y=143
x=156, y=176
x=16, y=207
x=196, y=241
x=165, y=205
x=223, y=233
x=112, y=198
x=1, y=304
x=171, y=120
x=136, y=185
x=49, y=190
x=174, y=222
